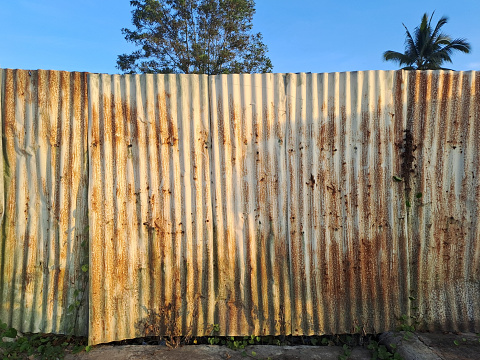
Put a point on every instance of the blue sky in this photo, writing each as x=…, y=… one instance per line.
x=302, y=36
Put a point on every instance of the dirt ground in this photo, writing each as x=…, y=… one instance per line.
x=420, y=346
x=211, y=352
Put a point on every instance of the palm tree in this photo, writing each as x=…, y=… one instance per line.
x=428, y=48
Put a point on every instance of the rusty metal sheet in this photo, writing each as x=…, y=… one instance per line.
x=2, y=191
x=443, y=163
x=151, y=222
x=347, y=225
x=45, y=221
x=268, y=203
x=313, y=222
x=252, y=279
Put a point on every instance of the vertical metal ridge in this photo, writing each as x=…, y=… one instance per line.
x=369, y=249
x=445, y=216
x=399, y=170
x=266, y=203
x=295, y=175
x=345, y=155
x=344, y=252
x=474, y=138
x=222, y=240
x=314, y=96
x=252, y=283
x=473, y=263
x=45, y=223
x=3, y=168
x=363, y=147
x=389, y=223
x=349, y=130
x=352, y=109
x=149, y=157
x=348, y=126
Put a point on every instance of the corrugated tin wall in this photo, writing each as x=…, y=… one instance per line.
x=442, y=110
x=44, y=212
x=267, y=204
x=346, y=214
x=151, y=219
x=250, y=179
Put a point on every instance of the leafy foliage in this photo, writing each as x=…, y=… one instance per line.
x=428, y=48
x=14, y=345
x=194, y=37
x=232, y=342
x=381, y=351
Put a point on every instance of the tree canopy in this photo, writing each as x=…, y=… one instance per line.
x=428, y=48
x=194, y=37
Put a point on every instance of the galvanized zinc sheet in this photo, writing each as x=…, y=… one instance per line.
x=2, y=190
x=252, y=278
x=44, y=212
x=151, y=222
x=313, y=195
x=442, y=110
x=351, y=235
x=346, y=214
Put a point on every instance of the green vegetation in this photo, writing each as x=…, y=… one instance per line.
x=346, y=341
x=428, y=48
x=381, y=351
x=194, y=37
x=232, y=342
x=467, y=341
x=408, y=324
x=14, y=345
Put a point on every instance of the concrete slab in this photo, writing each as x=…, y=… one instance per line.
x=410, y=347
x=450, y=346
x=212, y=352
x=418, y=346
x=434, y=346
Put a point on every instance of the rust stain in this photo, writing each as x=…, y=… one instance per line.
x=273, y=221
x=36, y=176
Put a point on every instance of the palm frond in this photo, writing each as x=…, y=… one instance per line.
x=396, y=56
x=440, y=57
x=443, y=39
x=425, y=23
x=428, y=48
x=410, y=45
x=434, y=37
x=461, y=45
x=440, y=23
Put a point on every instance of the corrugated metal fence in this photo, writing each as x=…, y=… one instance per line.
x=150, y=204
x=267, y=204
x=44, y=200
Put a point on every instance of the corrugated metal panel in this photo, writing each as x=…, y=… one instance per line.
x=249, y=176
x=151, y=221
x=2, y=190
x=347, y=223
x=305, y=229
x=443, y=124
x=263, y=203
x=44, y=125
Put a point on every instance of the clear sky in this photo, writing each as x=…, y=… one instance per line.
x=302, y=35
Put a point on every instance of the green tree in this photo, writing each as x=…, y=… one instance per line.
x=194, y=37
x=428, y=48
